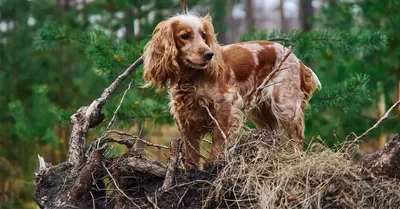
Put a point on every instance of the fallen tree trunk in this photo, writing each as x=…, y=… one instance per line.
x=385, y=162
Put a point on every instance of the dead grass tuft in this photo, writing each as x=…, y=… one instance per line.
x=259, y=172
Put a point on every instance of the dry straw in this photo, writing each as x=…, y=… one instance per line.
x=259, y=172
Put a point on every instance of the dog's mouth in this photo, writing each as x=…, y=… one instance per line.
x=200, y=66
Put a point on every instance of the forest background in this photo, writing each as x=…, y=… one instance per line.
x=58, y=55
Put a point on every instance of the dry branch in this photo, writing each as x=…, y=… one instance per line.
x=119, y=106
x=276, y=70
x=89, y=117
x=117, y=187
x=172, y=164
x=134, y=137
x=384, y=117
x=265, y=82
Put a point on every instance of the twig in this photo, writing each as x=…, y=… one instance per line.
x=106, y=139
x=93, y=201
x=265, y=84
x=216, y=122
x=197, y=152
x=172, y=165
x=384, y=117
x=119, y=106
x=151, y=201
x=117, y=187
x=89, y=117
x=191, y=182
x=206, y=140
x=137, y=138
x=277, y=69
x=180, y=199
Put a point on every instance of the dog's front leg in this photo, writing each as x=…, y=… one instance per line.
x=192, y=148
x=222, y=127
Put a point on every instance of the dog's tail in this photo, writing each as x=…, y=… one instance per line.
x=309, y=83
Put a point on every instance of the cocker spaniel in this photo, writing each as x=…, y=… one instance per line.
x=211, y=85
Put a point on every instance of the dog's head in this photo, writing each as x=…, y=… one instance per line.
x=181, y=41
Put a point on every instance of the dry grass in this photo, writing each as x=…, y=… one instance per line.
x=258, y=172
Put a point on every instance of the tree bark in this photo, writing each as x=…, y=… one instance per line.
x=385, y=162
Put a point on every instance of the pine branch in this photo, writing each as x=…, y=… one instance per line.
x=347, y=95
x=356, y=41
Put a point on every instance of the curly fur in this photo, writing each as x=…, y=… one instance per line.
x=208, y=95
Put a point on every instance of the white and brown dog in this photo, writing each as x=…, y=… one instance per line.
x=210, y=83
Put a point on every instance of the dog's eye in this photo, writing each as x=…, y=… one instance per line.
x=185, y=36
x=204, y=36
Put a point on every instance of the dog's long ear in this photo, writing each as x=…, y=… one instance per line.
x=160, y=54
x=215, y=70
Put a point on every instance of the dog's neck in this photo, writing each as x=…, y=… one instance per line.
x=191, y=75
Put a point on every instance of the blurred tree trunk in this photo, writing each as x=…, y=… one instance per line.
x=250, y=21
x=381, y=112
x=306, y=13
x=284, y=24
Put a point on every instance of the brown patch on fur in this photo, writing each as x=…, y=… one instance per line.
x=241, y=64
x=267, y=59
x=308, y=85
x=276, y=94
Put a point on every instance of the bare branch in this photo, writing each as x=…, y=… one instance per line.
x=119, y=106
x=89, y=117
x=216, y=122
x=137, y=138
x=117, y=187
x=151, y=201
x=383, y=118
x=276, y=70
x=106, y=139
x=265, y=84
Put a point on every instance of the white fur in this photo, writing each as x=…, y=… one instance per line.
x=254, y=49
x=316, y=78
x=191, y=20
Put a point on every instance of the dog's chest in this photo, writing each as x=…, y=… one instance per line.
x=190, y=103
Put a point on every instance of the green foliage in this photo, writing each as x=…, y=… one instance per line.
x=55, y=58
x=348, y=96
x=330, y=41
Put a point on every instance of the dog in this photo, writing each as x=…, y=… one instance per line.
x=211, y=85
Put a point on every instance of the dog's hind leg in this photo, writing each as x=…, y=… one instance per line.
x=263, y=117
x=286, y=104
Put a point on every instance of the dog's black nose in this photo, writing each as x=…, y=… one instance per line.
x=208, y=55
